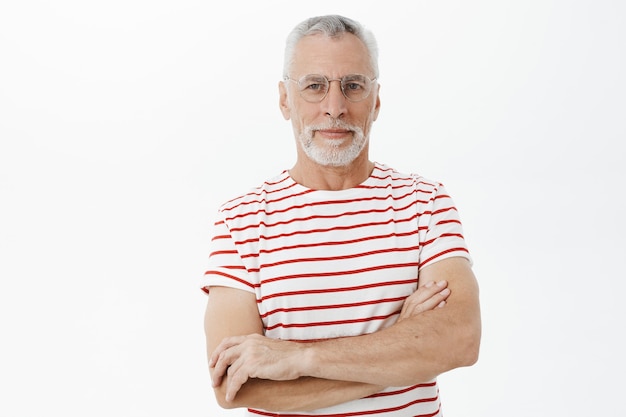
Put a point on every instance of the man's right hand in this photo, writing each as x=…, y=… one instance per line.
x=427, y=297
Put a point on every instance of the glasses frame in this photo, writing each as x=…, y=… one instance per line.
x=341, y=85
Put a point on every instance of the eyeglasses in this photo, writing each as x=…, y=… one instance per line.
x=314, y=87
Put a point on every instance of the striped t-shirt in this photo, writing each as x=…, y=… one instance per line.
x=326, y=264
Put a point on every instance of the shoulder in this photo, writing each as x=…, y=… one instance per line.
x=274, y=195
x=387, y=176
x=259, y=194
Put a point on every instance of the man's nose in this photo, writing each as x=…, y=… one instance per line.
x=335, y=103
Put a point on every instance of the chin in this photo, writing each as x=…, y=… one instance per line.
x=333, y=153
x=334, y=158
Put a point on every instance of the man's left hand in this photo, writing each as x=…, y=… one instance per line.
x=254, y=356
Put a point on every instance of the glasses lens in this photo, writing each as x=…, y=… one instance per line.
x=356, y=87
x=313, y=87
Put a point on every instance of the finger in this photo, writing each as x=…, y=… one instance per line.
x=218, y=372
x=223, y=363
x=216, y=379
x=427, y=290
x=434, y=285
x=224, y=345
x=424, y=293
x=420, y=295
x=432, y=302
x=237, y=377
x=417, y=305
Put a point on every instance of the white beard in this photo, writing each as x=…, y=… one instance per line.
x=331, y=153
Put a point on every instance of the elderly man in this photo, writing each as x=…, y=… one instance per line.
x=340, y=286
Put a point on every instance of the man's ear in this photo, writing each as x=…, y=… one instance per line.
x=283, y=101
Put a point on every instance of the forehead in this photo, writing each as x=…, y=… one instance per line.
x=332, y=57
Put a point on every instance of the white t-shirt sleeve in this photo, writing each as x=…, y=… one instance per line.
x=225, y=267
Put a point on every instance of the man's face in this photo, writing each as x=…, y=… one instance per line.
x=334, y=131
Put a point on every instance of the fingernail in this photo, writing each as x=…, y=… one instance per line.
x=429, y=284
x=441, y=304
x=445, y=292
x=441, y=283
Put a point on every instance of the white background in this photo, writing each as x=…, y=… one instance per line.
x=124, y=124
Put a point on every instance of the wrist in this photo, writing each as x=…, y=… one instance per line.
x=308, y=363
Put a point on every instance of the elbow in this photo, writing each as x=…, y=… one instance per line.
x=471, y=354
x=221, y=400
x=460, y=352
x=220, y=397
x=248, y=396
x=469, y=348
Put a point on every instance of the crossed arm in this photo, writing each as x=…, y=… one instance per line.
x=438, y=330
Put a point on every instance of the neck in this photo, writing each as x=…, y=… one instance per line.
x=319, y=177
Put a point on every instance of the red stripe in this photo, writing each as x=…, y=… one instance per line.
x=323, y=203
x=331, y=306
x=332, y=323
x=211, y=272
x=428, y=242
x=306, y=232
x=395, y=187
x=334, y=243
x=443, y=210
x=443, y=253
x=334, y=216
x=403, y=390
x=412, y=178
x=223, y=252
x=335, y=258
x=334, y=202
x=339, y=289
x=448, y=221
x=263, y=189
x=356, y=413
x=263, y=200
x=339, y=273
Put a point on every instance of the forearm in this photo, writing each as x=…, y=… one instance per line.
x=303, y=394
x=413, y=351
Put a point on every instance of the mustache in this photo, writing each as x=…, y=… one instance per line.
x=332, y=124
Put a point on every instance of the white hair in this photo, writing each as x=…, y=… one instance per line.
x=331, y=26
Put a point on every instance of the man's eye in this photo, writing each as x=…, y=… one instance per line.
x=314, y=87
x=354, y=86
